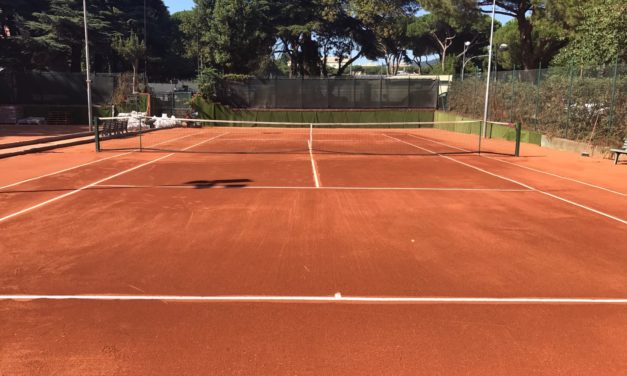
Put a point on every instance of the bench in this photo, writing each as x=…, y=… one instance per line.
x=112, y=128
x=618, y=152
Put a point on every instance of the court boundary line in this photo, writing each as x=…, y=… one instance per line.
x=618, y=219
x=526, y=167
x=337, y=298
x=83, y=165
x=266, y=187
x=313, y=166
x=75, y=191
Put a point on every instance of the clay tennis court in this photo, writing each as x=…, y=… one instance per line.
x=251, y=252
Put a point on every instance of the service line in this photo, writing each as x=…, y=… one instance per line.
x=86, y=164
x=609, y=216
x=75, y=191
x=524, y=167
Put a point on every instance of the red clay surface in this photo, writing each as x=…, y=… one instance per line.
x=209, y=222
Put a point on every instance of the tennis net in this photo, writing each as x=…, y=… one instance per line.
x=258, y=137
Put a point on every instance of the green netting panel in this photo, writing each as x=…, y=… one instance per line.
x=330, y=93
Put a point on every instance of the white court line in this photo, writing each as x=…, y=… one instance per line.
x=84, y=164
x=64, y=170
x=618, y=219
x=525, y=167
x=436, y=189
x=30, y=208
x=314, y=169
x=338, y=298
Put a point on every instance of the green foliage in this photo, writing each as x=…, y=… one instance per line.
x=237, y=77
x=132, y=50
x=579, y=104
x=445, y=36
x=239, y=35
x=543, y=25
x=49, y=35
x=208, y=81
x=600, y=38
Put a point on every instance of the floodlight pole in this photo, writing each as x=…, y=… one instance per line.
x=87, y=67
x=466, y=46
x=484, y=124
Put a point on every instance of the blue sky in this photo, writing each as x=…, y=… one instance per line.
x=178, y=5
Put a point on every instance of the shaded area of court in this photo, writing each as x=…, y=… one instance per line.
x=10, y=133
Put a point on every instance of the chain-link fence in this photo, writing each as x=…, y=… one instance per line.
x=330, y=93
x=54, y=88
x=583, y=104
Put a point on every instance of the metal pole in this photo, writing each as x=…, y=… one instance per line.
x=463, y=64
x=409, y=90
x=538, y=96
x=511, y=101
x=570, y=96
x=487, y=85
x=610, y=118
x=146, y=45
x=87, y=67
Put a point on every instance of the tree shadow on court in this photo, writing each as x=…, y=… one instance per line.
x=227, y=183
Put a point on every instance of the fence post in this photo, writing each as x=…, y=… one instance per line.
x=610, y=117
x=380, y=91
x=276, y=83
x=409, y=90
x=248, y=92
x=328, y=92
x=173, y=103
x=539, y=82
x=302, y=84
x=354, y=92
x=570, y=98
x=511, y=101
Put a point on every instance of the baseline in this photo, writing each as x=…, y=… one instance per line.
x=337, y=298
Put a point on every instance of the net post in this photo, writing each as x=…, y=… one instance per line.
x=97, y=134
x=518, y=137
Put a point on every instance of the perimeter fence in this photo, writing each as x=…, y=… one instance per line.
x=579, y=103
x=330, y=93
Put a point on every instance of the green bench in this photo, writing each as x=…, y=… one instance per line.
x=111, y=128
x=618, y=152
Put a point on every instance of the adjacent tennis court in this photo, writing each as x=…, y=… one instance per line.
x=312, y=246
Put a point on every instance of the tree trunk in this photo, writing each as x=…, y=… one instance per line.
x=526, y=43
x=342, y=68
